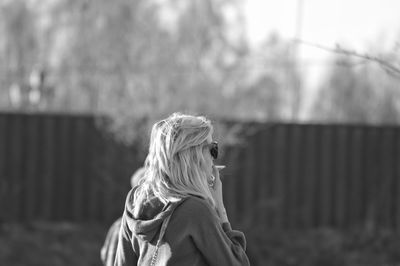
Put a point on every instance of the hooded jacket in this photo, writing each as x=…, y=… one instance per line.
x=194, y=235
x=107, y=252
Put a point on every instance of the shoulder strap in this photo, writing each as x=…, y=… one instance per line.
x=162, y=232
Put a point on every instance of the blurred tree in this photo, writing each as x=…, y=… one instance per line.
x=357, y=94
x=18, y=49
x=140, y=60
x=135, y=60
x=150, y=55
x=265, y=82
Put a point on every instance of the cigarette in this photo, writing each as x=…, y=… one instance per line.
x=220, y=167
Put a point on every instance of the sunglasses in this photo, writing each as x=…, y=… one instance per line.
x=214, y=149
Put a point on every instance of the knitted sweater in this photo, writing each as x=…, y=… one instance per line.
x=194, y=236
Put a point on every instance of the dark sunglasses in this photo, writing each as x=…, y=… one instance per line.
x=214, y=149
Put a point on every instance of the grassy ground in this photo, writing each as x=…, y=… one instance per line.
x=325, y=247
x=43, y=244
x=62, y=244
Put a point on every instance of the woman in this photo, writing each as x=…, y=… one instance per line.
x=176, y=215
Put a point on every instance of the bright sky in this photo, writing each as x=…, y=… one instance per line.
x=363, y=25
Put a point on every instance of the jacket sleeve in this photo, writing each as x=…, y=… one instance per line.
x=219, y=244
x=125, y=254
x=109, y=248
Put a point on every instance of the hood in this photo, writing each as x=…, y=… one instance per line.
x=145, y=218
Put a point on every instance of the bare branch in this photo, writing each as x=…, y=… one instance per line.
x=389, y=68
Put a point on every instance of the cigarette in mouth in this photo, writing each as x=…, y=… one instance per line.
x=220, y=167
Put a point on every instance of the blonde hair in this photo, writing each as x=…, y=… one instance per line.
x=175, y=166
x=137, y=176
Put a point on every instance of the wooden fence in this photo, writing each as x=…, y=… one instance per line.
x=308, y=176
x=59, y=167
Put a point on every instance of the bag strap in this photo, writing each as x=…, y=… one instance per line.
x=162, y=232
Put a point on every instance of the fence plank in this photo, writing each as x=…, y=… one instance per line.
x=356, y=176
x=63, y=175
x=77, y=171
x=49, y=147
x=93, y=181
x=340, y=178
x=230, y=177
x=294, y=183
x=248, y=188
x=31, y=169
x=310, y=177
x=370, y=195
x=280, y=176
x=5, y=181
x=265, y=166
x=17, y=164
x=105, y=179
x=326, y=177
x=386, y=177
x=317, y=203
x=396, y=189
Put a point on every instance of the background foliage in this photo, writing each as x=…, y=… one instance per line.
x=139, y=60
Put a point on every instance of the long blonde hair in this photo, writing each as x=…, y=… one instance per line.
x=175, y=166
